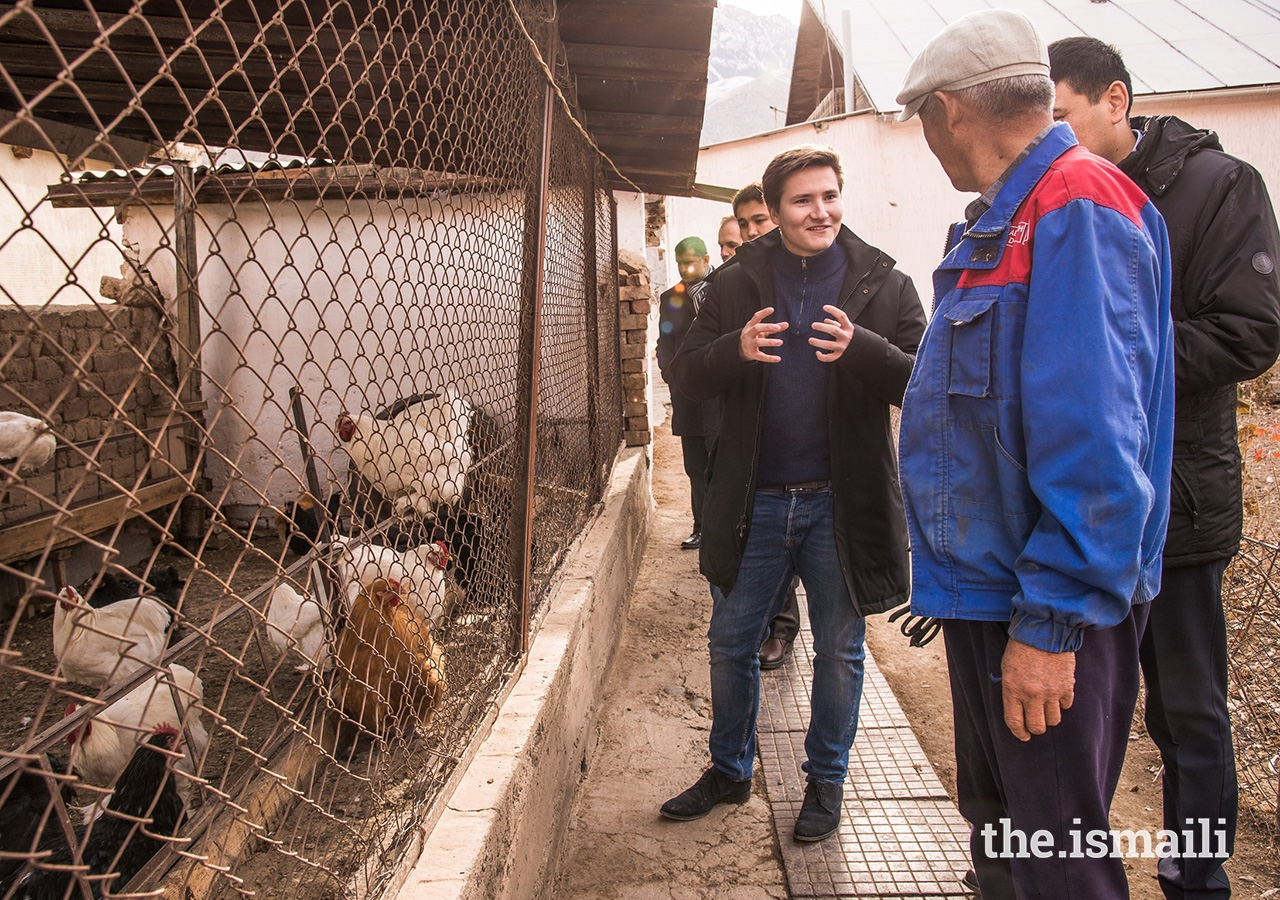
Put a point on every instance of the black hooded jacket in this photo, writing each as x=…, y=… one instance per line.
x=1226, y=312
x=870, y=376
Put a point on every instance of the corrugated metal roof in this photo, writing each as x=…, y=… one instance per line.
x=1168, y=45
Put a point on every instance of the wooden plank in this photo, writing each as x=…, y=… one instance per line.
x=607, y=60
x=73, y=141
x=28, y=539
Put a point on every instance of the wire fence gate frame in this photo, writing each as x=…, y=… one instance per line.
x=309, y=377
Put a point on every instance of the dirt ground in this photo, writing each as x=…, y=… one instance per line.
x=655, y=718
x=652, y=743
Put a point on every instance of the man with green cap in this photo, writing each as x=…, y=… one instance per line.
x=695, y=422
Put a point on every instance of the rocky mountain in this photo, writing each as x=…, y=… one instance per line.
x=748, y=73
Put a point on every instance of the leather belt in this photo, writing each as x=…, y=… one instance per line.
x=824, y=485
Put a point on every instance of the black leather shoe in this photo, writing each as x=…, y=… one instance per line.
x=712, y=788
x=692, y=542
x=820, y=815
x=773, y=653
x=970, y=883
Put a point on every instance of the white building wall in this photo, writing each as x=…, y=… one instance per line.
x=897, y=197
x=358, y=304
x=37, y=257
x=630, y=221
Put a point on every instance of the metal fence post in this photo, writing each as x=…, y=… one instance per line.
x=591, y=294
x=527, y=373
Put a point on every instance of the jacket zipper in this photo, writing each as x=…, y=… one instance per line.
x=1190, y=498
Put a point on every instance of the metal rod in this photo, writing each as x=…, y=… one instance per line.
x=591, y=293
x=527, y=397
x=309, y=461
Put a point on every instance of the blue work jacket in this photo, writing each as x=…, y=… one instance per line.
x=1037, y=427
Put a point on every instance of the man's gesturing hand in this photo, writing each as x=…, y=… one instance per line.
x=1037, y=686
x=757, y=334
x=841, y=331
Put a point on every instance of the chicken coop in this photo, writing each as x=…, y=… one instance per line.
x=309, y=378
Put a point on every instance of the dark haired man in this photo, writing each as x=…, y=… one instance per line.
x=694, y=422
x=753, y=220
x=751, y=212
x=808, y=336
x=1226, y=313
x=1036, y=445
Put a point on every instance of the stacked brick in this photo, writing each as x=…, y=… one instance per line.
x=635, y=297
x=88, y=370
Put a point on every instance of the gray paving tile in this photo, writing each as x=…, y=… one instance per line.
x=900, y=836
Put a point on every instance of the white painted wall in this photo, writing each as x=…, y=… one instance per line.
x=36, y=258
x=357, y=303
x=630, y=221
x=897, y=197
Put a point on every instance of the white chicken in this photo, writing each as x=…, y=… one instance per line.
x=101, y=647
x=421, y=573
x=417, y=459
x=102, y=747
x=295, y=619
x=25, y=440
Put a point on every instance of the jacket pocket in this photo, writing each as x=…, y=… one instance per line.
x=972, y=322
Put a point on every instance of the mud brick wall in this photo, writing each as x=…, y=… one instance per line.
x=78, y=368
x=635, y=298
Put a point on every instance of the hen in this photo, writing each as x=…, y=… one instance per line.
x=103, y=646
x=295, y=620
x=420, y=571
x=26, y=441
x=101, y=748
x=418, y=459
x=390, y=670
x=144, y=808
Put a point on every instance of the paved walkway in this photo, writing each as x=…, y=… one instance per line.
x=900, y=836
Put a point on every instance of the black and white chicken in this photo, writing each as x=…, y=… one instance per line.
x=144, y=808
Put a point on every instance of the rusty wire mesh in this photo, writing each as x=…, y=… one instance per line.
x=262, y=277
x=1251, y=595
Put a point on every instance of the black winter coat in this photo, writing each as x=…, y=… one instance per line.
x=689, y=417
x=1226, y=313
x=870, y=376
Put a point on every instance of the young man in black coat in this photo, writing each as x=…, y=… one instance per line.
x=808, y=337
x=695, y=422
x=1226, y=311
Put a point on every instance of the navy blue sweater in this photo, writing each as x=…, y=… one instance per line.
x=794, y=444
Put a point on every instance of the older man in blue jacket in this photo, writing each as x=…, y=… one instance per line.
x=1036, y=439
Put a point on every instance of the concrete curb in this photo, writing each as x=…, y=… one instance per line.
x=501, y=834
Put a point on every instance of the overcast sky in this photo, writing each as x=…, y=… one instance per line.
x=788, y=8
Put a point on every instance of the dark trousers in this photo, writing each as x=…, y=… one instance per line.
x=786, y=624
x=1184, y=664
x=1061, y=782
x=695, y=466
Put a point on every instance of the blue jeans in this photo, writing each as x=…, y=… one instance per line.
x=791, y=534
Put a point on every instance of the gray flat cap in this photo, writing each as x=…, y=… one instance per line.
x=980, y=47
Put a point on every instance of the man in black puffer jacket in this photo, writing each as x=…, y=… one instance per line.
x=808, y=336
x=1226, y=311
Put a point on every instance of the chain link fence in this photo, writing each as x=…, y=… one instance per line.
x=309, y=377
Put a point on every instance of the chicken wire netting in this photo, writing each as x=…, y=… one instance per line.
x=267, y=284
x=1251, y=596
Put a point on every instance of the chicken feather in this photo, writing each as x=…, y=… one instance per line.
x=101, y=647
x=390, y=673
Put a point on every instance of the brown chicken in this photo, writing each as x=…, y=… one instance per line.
x=390, y=673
